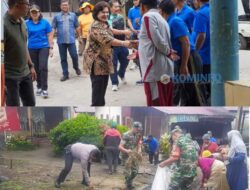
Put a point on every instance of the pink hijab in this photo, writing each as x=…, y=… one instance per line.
x=206, y=166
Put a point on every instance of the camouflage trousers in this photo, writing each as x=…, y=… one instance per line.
x=130, y=173
x=179, y=182
x=131, y=167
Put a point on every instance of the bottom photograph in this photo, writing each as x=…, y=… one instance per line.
x=124, y=148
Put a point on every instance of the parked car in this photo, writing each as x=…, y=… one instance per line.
x=244, y=23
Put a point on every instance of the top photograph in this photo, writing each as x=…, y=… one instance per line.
x=125, y=53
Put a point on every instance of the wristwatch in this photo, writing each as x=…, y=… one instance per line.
x=31, y=65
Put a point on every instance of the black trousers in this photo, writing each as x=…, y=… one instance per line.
x=153, y=157
x=20, y=88
x=69, y=159
x=112, y=156
x=99, y=87
x=190, y=93
x=68, y=165
x=40, y=58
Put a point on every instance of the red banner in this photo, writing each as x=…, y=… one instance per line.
x=9, y=119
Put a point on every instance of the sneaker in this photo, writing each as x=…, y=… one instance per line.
x=78, y=72
x=45, y=94
x=123, y=80
x=64, y=78
x=57, y=185
x=114, y=87
x=39, y=92
x=133, y=66
x=140, y=82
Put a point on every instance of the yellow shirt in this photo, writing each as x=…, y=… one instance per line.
x=85, y=20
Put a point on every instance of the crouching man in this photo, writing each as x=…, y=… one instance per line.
x=86, y=154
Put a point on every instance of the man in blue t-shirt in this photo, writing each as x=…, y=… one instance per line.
x=185, y=13
x=134, y=23
x=153, y=149
x=202, y=37
x=186, y=92
x=134, y=18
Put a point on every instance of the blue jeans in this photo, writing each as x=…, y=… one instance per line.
x=119, y=54
x=63, y=54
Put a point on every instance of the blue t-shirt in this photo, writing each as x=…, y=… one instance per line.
x=178, y=29
x=188, y=15
x=153, y=145
x=133, y=14
x=38, y=34
x=202, y=25
x=212, y=139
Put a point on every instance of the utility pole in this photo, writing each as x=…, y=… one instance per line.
x=29, y=111
x=50, y=10
x=224, y=46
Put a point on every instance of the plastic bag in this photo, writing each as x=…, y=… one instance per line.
x=162, y=179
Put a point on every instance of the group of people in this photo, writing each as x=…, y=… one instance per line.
x=189, y=165
x=169, y=38
x=226, y=172
x=128, y=145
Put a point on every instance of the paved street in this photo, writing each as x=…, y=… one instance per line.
x=77, y=90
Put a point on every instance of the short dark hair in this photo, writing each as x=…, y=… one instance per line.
x=204, y=0
x=149, y=3
x=99, y=7
x=111, y=2
x=64, y=1
x=11, y=3
x=167, y=6
x=96, y=154
x=150, y=136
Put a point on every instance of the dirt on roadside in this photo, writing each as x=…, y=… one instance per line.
x=29, y=171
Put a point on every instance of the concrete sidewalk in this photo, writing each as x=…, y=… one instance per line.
x=77, y=90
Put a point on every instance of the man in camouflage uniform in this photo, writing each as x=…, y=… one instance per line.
x=130, y=148
x=185, y=157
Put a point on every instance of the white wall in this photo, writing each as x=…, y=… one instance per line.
x=109, y=113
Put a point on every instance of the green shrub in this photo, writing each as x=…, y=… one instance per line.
x=122, y=129
x=19, y=143
x=165, y=146
x=84, y=128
